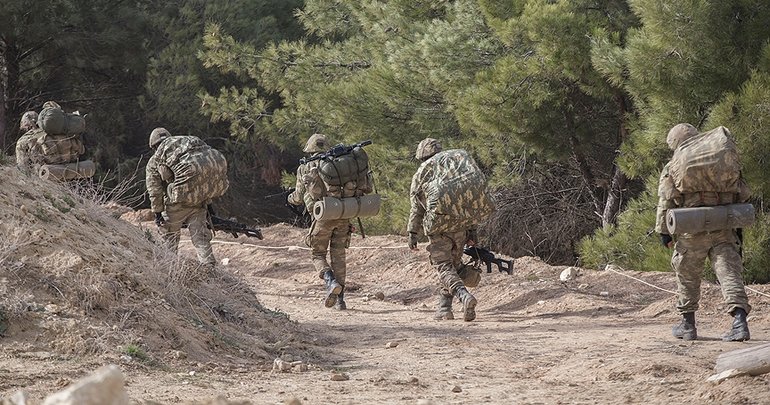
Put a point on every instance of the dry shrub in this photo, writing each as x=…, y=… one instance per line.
x=545, y=215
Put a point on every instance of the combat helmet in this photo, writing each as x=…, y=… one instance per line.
x=28, y=121
x=51, y=104
x=680, y=133
x=157, y=135
x=316, y=143
x=427, y=148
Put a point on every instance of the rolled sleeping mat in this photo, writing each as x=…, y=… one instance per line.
x=346, y=208
x=707, y=219
x=68, y=171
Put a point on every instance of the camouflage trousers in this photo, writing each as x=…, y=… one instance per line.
x=332, y=237
x=690, y=253
x=446, y=252
x=197, y=220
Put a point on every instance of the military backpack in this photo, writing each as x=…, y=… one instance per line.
x=456, y=197
x=198, y=172
x=707, y=162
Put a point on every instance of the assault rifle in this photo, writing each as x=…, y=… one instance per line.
x=484, y=255
x=234, y=228
x=336, y=151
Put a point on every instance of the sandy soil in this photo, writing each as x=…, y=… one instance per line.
x=602, y=338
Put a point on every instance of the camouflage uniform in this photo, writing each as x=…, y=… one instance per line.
x=36, y=148
x=722, y=247
x=332, y=236
x=160, y=179
x=29, y=155
x=445, y=249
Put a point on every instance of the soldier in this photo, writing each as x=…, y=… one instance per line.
x=446, y=247
x=36, y=147
x=27, y=152
x=332, y=236
x=722, y=247
x=164, y=174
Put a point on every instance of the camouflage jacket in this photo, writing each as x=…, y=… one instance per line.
x=159, y=171
x=669, y=197
x=29, y=155
x=417, y=196
x=309, y=187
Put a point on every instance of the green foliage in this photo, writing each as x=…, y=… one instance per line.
x=756, y=255
x=632, y=243
x=136, y=352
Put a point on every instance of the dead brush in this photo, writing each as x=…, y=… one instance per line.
x=14, y=237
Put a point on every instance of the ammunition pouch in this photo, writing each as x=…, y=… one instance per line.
x=708, y=219
x=470, y=275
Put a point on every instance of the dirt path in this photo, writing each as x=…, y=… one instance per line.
x=601, y=339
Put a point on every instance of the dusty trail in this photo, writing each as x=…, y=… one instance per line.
x=600, y=339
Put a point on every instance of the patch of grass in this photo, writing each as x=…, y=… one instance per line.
x=3, y=322
x=40, y=213
x=136, y=352
x=276, y=313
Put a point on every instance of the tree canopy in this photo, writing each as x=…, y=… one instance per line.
x=565, y=104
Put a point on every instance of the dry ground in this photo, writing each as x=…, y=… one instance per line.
x=603, y=338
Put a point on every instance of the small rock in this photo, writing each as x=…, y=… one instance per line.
x=366, y=298
x=541, y=302
x=339, y=377
x=192, y=373
x=225, y=261
x=293, y=401
x=391, y=345
x=52, y=308
x=300, y=368
x=457, y=388
x=281, y=366
x=604, y=293
x=425, y=402
x=379, y=295
x=570, y=273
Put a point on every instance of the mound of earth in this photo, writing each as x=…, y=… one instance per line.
x=76, y=280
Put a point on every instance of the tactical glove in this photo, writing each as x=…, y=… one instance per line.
x=666, y=240
x=412, y=240
x=159, y=220
x=471, y=237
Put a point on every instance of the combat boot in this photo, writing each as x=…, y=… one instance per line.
x=333, y=289
x=341, y=300
x=686, y=330
x=469, y=303
x=444, y=311
x=740, y=330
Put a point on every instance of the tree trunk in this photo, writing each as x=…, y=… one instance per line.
x=751, y=360
x=619, y=180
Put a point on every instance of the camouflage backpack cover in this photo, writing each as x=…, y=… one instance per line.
x=57, y=149
x=199, y=171
x=708, y=162
x=456, y=197
x=347, y=175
